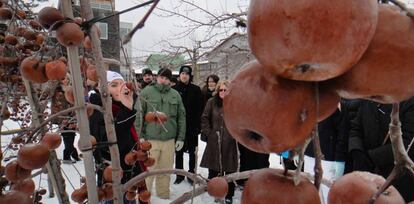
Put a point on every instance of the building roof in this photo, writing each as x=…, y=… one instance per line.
x=223, y=43
x=155, y=61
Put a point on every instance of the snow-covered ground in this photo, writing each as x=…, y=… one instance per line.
x=73, y=172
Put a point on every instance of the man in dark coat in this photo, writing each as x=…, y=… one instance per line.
x=349, y=109
x=370, y=147
x=333, y=133
x=193, y=102
x=333, y=137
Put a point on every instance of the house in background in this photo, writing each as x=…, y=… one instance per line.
x=228, y=58
x=125, y=28
x=109, y=28
x=225, y=60
x=157, y=61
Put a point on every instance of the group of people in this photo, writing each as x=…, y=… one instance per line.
x=355, y=138
x=355, y=135
x=191, y=112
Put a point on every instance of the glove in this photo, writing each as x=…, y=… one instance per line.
x=179, y=145
x=285, y=154
x=339, y=169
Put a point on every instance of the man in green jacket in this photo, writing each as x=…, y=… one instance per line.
x=165, y=141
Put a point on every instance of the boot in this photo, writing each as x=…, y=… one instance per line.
x=179, y=179
x=75, y=155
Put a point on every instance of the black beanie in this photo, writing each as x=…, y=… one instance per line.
x=186, y=69
x=146, y=71
x=165, y=73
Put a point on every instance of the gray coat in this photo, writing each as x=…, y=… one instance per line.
x=212, y=123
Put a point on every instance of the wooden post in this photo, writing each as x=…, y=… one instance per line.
x=81, y=116
x=53, y=165
x=86, y=12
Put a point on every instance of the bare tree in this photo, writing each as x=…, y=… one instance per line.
x=198, y=18
x=201, y=27
x=194, y=53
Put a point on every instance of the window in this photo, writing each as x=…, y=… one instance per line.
x=102, y=5
x=123, y=31
x=95, y=5
x=104, y=30
x=106, y=7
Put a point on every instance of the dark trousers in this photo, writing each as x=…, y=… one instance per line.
x=250, y=160
x=179, y=158
x=125, y=201
x=212, y=174
x=70, y=150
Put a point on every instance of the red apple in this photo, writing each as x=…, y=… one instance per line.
x=310, y=40
x=270, y=114
x=359, y=187
x=269, y=186
x=217, y=187
x=385, y=72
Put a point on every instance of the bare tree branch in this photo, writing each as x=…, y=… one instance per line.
x=403, y=163
x=140, y=25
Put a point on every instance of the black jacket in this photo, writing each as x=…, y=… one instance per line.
x=331, y=136
x=193, y=103
x=124, y=121
x=370, y=149
x=349, y=110
x=207, y=94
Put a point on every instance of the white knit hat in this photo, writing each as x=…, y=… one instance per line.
x=111, y=75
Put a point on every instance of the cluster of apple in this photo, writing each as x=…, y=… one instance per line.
x=17, y=173
x=26, y=54
x=105, y=191
x=141, y=155
x=156, y=117
x=309, y=54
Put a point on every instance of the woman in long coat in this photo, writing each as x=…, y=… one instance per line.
x=221, y=154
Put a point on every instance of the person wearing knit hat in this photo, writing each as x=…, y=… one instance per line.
x=147, y=78
x=166, y=138
x=164, y=72
x=111, y=76
x=186, y=69
x=146, y=72
x=124, y=115
x=193, y=102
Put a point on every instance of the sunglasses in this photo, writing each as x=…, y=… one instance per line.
x=221, y=90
